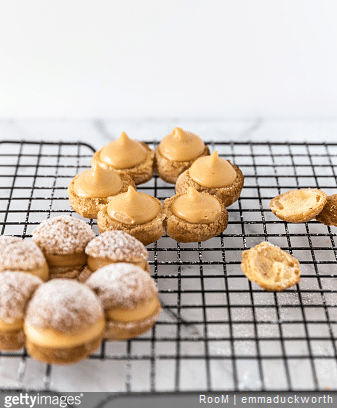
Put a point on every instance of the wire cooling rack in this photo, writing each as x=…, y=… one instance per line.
x=217, y=331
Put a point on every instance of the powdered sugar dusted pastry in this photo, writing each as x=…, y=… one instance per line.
x=194, y=216
x=64, y=322
x=328, y=215
x=128, y=156
x=298, y=205
x=138, y=214
x=22, y=255
x=63, y=240
x=176, y=152
x=129, y=297
x=116, y=246
x=213, y=175
x=270, y=267
x=90, y=190
x=16, y=289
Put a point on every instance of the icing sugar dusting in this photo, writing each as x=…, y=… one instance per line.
x=63, y=235
x=64, y=305
x=118, y=246
x=122, y=285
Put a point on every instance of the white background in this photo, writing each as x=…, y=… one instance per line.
x=168, y=58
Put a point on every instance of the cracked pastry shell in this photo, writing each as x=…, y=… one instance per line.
x=228, y=195
x=328, y=216
x=89, y=207
x=141, y=173
x=184, y=231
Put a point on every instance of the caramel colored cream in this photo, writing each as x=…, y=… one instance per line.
x=133, y=207
x=97, y=182
x=212, y=171
x=123, y=153
x=15, y=325
x=181, y=145
x=195, y=207
x=55, y=339
x=67, y=259
x=96, y=263
x=140, y=312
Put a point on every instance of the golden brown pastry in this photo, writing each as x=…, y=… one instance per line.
x=298, y=205
x=328, y=215
x=64, y=322
x=116, y=246
x=22, y=255
x=194, y=216
x=213, y=175
x=176, y=152
x=128, y=156
x=138, y=214
x=270, y=267
x=129, y=297
x=90, y=190
x=16, y=289
x=63, y=240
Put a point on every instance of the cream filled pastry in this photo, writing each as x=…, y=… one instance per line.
x=176, y=152
x=194, y=216
x=63, y=240
x=22, y=255
x=129, y=298
x=136, y=213
x=214, y=175
x=90, y=190
x=116, y=246
x=16, y=289
x=64, y=322
x=128, y=156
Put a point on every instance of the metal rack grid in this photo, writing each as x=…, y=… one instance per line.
x=218, y=331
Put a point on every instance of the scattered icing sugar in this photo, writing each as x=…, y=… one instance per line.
x=122, y=285
x=118, y=246
x=63, y=235
x=16, y=288
x=64, y=305
x=19, y=254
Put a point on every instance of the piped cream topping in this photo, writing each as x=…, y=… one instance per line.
x=196, y=208
x=181, y=145
x=212, y=171
x=97, y=182
x=133, y=207
x=123, y=153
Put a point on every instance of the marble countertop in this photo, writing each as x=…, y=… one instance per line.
x=98, y=132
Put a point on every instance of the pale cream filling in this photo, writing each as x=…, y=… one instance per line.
x=55, y=339
x=15, y=325
x=66, y=260
x=96, y=263
x=138, y=313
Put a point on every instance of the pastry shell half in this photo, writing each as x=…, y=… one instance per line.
x=228, y=195
x=169, y=170
x=184, y=231
x=141, y=173
x=89, y=207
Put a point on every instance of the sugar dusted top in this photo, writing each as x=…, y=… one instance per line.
x=63, y=235
x=16, y=288
x=19, y=254
x=118, y=246
x=122, y=285
x=64, y=305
